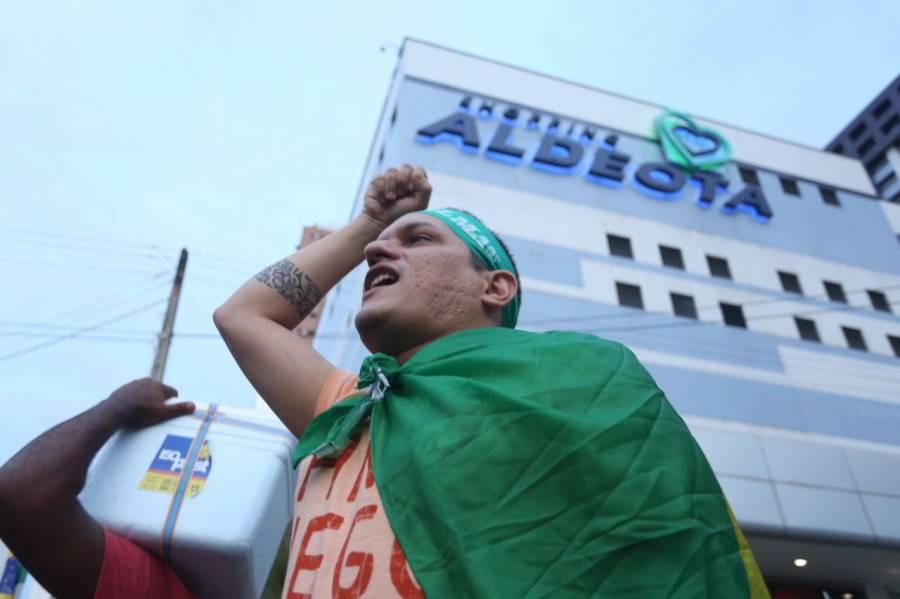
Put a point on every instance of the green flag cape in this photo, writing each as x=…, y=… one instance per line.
x=514, y=464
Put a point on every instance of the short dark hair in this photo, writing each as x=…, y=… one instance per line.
x=479, y=265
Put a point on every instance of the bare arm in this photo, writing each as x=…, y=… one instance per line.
x=41, y=519
x=257, y=321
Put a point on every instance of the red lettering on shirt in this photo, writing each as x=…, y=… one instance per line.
x=306, y=561
x=401, y=576
x=294, y=532
x=370, y=476
x=354, y=440
x=314, y=462
x=363, y=561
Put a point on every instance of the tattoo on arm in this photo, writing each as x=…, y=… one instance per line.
x=293, y=285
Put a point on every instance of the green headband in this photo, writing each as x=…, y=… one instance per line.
x=486, y=246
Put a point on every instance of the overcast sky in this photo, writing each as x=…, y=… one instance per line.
x=129, y=130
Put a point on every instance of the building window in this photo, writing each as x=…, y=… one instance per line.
x=718, y=267
x=882, y=107
x=394, y=116
x=629, y=295
x=864, y=148
x=790, y=282
x=789, y=186
x=835, y=292
x=875, y=164
x=857, y=131
x=683, y=305
x=671, y=257
x=854, y=338
x=879, y=300
x=889, y=124
x=807, y=329
x=619, y=246
x=381, y=155
x=733, y=315
x=748, y=175
x=895, y=344
x=829, y=196
x=890, y=180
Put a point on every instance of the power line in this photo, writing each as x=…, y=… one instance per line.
x=115, y=299
x=149, y=252
x=682, y=322
x=72, y=237
x=79, y=332
x=14, y=328
x=147, y=339
x=63, y=238
x=713, y=307
x=76, y=266
x=696, y=322
x=732, y=351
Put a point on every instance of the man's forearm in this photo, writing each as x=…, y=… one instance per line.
x=51, y=470
x=41, y=519
x=287, y=291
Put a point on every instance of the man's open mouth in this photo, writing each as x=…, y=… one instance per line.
x=380, y=276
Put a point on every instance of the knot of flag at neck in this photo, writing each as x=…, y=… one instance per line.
x=378, y=370
x=486, y=246
x=377, y=373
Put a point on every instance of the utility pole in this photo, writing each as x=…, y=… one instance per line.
x=165, y=335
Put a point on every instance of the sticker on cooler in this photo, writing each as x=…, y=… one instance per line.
x=165, y=469
x=10, y=577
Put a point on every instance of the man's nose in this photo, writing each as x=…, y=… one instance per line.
x=380, y=249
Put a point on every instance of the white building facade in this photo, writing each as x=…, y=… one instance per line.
x=763, y=296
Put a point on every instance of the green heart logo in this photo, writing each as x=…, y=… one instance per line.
x=690, y=146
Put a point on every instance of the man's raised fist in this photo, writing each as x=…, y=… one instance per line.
x=396, y=192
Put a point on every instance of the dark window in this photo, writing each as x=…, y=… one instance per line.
x=790, y=282
x=807, y=329
x=857, y=131
x=835, y=292
x=718, y=267
x=671, y=257
x=854, y=338
x=829, y=196
x=882, y=107
x=895, y=344
x=748, y=175
x=381, y=155
x=619, y=246
x=879, y=300
x=889, y=180
x=838, y=149
x=733, y=315
x=394, y=116
x=789, y=186
x=864, y=148
x=683, y=305
x=629, y=295
x=875, y=163
x=889, y=124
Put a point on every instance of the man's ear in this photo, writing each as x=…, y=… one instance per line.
x=499, y=289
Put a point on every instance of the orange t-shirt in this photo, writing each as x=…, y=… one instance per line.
x=342, y=545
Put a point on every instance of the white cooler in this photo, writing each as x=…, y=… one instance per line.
x=235, y=508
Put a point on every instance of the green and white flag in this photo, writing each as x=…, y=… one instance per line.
x=515, y=464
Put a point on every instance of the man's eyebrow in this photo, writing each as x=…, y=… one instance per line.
x=407, y=228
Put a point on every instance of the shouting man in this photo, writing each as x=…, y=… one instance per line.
x=468, y=458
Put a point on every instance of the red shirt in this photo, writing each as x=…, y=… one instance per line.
x=131, y=571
